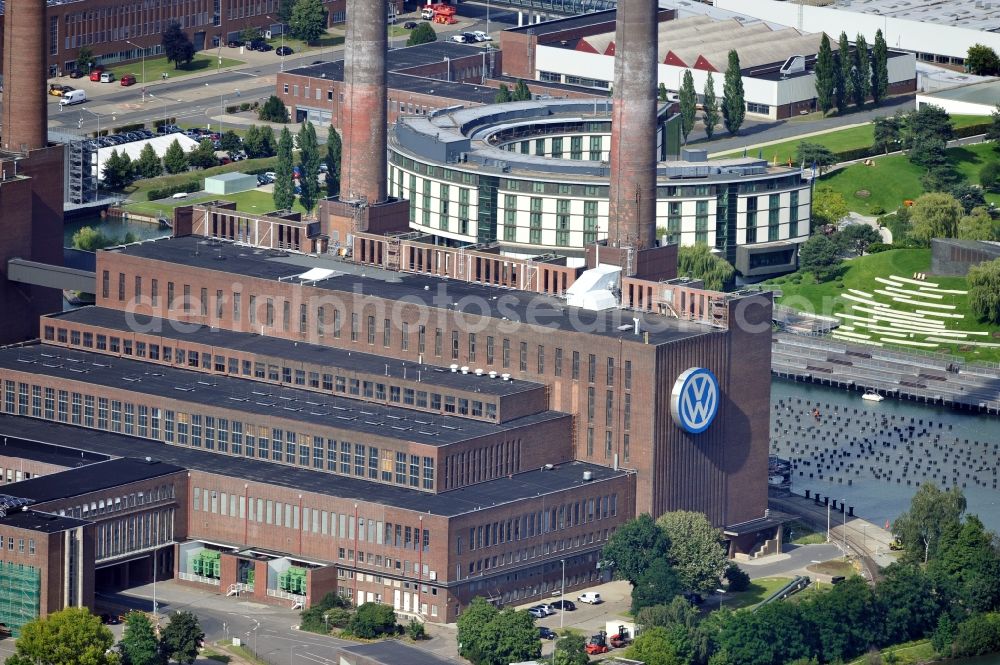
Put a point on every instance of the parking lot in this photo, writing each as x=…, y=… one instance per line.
x=588, y=619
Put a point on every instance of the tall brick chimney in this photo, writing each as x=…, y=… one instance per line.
x=364, y=123
x=25, y=114
x=632, y=213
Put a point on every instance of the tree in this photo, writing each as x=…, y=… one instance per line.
x=503, y=94
x=285, y=8
x=887, y=132
x=734, y=106
x=273, y=110
x=857, y=238
x=820, y=256
x=656, y=586
x=944, y=635
x=661, y=646
x=308, y=20
x=90, y=239
x=828, y=207
x=699, y=262
x=415, y=630
x=334, y=149
x=880, y=68
x=689, y=104
x=139, y=645
x=695, y=549
x=931, y=512
x=85, y=59
x=203, y=157
x=117, y=171
x=177, y=46
x=472, y=629
x=259, y=141
x=826, y=76
x=710, y=107
x=521, y=92
x=969, y=195
x=861, y=75
x=284, y=185
x=935, y=215
x=249, y=34
x=968, y=567
x=182, y=637
x=174, y=159
x=993, y=133
x=844, y=93
x=978, y=225
x=989, y=177
x=908, y=605
x=774, y=633
x=984, y=291
x=148, y=165
x=678, y=612
x=842, y=620
x=978, y=635
x=422, y=34
x=309, y=160
x=982, y=61
x=72, y=636
x=633, y=547
x=661, y=92
x=815, y=155
x=944, y=178
x=512, y=637
x=926, y=132
x=373, y=620
x=737, y=578
x=571, y=650
x=230, y=142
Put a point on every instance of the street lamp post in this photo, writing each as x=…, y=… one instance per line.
x=142, y=52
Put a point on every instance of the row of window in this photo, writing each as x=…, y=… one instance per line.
x=134, y=533
x=115, y=504
x=20, y=545
x=541, y=522
x=219, y=434
x=480, y=566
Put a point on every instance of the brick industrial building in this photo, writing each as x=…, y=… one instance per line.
x=248, y=410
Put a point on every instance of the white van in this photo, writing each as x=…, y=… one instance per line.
x=73, y=97
x=591, y=597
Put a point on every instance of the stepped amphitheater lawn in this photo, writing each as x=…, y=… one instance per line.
x=801, y=292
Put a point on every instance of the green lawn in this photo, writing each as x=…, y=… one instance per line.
x=251, y=201
x=909, y=653
x=156, y=67
x=803, y=534
x=850, y=138
x=894, y=179
x=138, y=189
x=803, y=293
x=299, y=46
x=759, y=591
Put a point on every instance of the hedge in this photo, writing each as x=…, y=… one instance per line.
x=167, y=192
x=129, y=128
x=245, y=106
x=166, y=121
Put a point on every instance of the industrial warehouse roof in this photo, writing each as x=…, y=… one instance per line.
x=21, y=449
x=70, y=440
x=32, y=520
x=986, y=93
x=291, y=351
x=95, y=477
x=472, y=300
x=256, y=398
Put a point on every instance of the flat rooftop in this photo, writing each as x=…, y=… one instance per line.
x=95, y=477
x=69, y=441
x=256, y=398
x=32, y=520
x=276, y=347
x=986, y=93
x=578, y=22
x=972, y=14
x=20, y=449
x=512, y=307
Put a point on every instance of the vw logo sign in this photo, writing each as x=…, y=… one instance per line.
x=694, y=400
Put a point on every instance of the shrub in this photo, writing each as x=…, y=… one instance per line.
x=166, y=192
x=273, y=110
x=129, y=128
x=415, y=630
x=989, y=177
x=166, y=121
x=737, y=578
x=372, y=620
x=877, y=247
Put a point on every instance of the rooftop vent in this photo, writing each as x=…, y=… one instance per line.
x=588, y=476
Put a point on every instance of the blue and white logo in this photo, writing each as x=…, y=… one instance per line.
x=694, y=400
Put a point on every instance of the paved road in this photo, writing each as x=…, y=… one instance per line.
x=793, y=561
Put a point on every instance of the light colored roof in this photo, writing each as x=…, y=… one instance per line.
x=226, y=177
x=133, y=148
x=974, y=14
x=987, y=93
x=784, y=44
x=723, y=32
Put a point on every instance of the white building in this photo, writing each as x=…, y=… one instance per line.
x=532, y=177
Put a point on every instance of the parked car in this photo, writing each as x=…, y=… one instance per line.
x=409, y=25
x=128, y=79
x=95, y=75
x=107, y=77
x=470, y=38
x=168, y=129
x=537, y=612
x=271, y=176
x=233, y=43
x=545, y=608
x=76, y=74
x=546, y=633
x=459, y=38
x=482, y=36
x=179, y=195
x=58, y=90
x=284, y=50
x=145, y=133
x=262, y=180
x=567, y=605
x=590, y=597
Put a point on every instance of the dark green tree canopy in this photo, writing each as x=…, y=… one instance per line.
x=284, y=185
x=880, y=68
x=982, y=61
x=984, y=291
x=175, y=159
x=700, y=262
x=373, y=620
x=182, y=637
x=177, y=46
x=930, y=514
x=72, y=636
x=821, y=256
x=633, y=547
x=734, y=107
x=422, y=34
x=139, y=645
x=273, y=110
x=710, y=107
x=308, y=20
x=688, y=103
x=826, y=76
x=334, y=149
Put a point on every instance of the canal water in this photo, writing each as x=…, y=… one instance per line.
x=874, y=455
x=115, y=227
